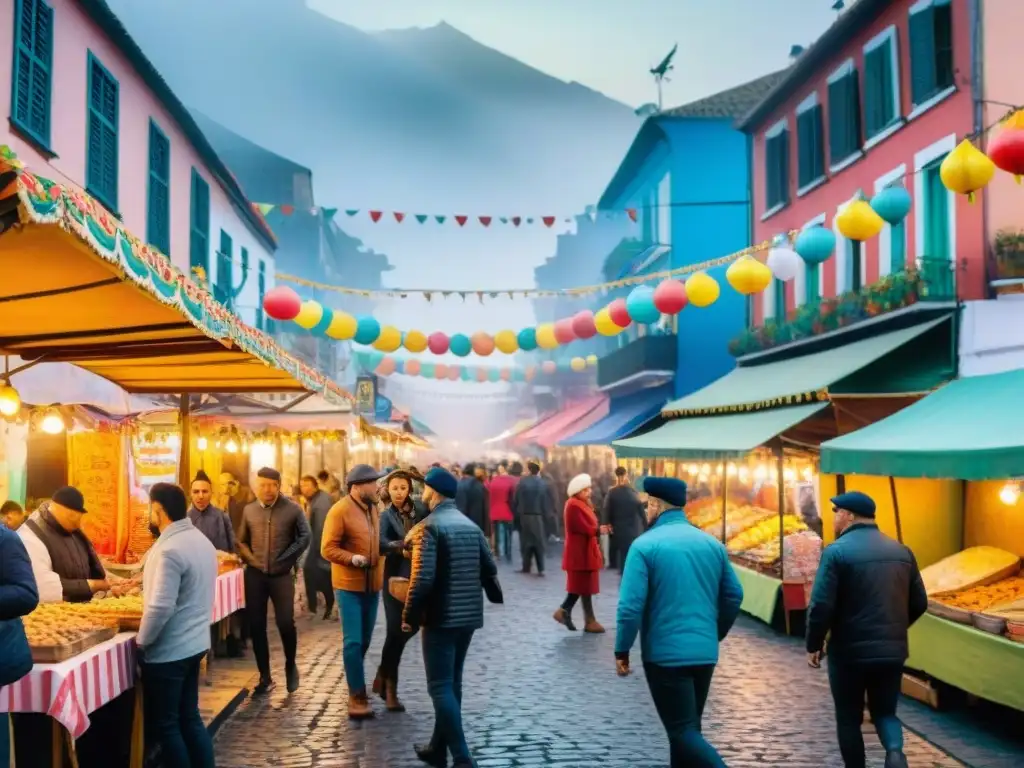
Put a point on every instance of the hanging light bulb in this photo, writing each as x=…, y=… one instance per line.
x=692, y=469
x=10, y=400
x=731, y=470
x=789, y=475
x=231, y=446
x=52, y=423
x=1009, y=494
x=808, y=474
x=705, y=469
x=761, y=473
x=173, y=441
x=202, y=443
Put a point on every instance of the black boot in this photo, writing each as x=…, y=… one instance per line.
x=431, y=755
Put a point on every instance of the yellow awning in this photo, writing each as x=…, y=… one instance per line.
x=78, y=288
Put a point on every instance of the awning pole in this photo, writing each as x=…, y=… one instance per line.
x=184, y=460
x=781, y=480
x=725, y=503
x=896, y=509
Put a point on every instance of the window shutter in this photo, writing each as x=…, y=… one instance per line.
x=874, y=63
x=32, y=67
x=784, y=166
x=158, y=224
x=779, y=296
x=837, y=121
x=943, y=28
x=922, y=55
x=262, y=294
x=805, y=158
x=811, y=284
x=770, y=173
x=199, y=236
x=102, y=165
x=898, y=247
x=855, y=126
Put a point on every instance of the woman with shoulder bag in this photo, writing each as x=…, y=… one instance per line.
x=18, y=597
x=402, y=512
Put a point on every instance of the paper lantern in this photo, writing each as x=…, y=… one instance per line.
x=415, y=341
x=454, y=372
x=548, y=367
x=460, y=345
x=815, y=244
x=670, y=297
x=309, y=314
x=282, y=303
x=481, y=374
x=748, y=276
x=858, y=221
x=467, y=374
x=412, y=367
x=591, y=360
x=892, y=203
x=529, y=372
x=527, y=339
x=1006, y=147
x=399, y=366
x=386, y=366
x=640, y=305
x=966, y=170
x=373, y=359
x=583, y=324
x=701, y=289
x=427, y=370
x=604, y=323
x=578, y=364
x=563, y=331
x=619, y=313
x=518, y=375
x=482, y=343
x=494, y=375
x=343, y=326
x=10, y=400
x=389, y=340
x=506, y=342
x=506, y=374
x=438, y=343
x=320, y=329
x=440, y=371
x=367, y=330
x=546, y=336
x=783, y=262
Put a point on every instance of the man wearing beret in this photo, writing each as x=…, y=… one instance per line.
x=680, y=593
x=452, y=566
x=867, y=593
x=272, y=536
x=351, y=544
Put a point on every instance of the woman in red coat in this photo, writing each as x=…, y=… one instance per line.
x=581, y=558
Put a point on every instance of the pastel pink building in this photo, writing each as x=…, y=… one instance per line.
x=87, y=108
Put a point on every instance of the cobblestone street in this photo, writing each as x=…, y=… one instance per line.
x=537, y=695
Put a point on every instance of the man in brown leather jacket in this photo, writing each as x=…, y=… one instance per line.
x=273, y=534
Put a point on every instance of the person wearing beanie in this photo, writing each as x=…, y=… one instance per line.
x=581, y=558
x=867, y=593
x=531, y=507
x=213, y=522
x=452, y=568
x=681, y=595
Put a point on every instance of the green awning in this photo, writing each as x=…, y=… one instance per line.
x=715, y=437
x=971, y=429
x=761, y=384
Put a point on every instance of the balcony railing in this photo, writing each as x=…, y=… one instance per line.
x=654, y=354
x=931, y=280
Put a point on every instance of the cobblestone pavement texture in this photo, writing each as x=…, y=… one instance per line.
x=538, y=695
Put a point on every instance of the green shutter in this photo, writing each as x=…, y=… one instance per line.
x=224, y=271
x=779, y=294
x=944, y=73
x=855, y=126
x=811, y=294
x=879, y=93
x=32, y=74
x=199, y=225
x=819, y=143
x=783, y=186
x=936, y=213
x=158, y=222
x=804, y=149
x=262, y=294
x=898, y=247
x=101, y=167
x=838, y=120
x=853, y=259
x=922, y=55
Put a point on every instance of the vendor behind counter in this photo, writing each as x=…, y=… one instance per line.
x=64, y=562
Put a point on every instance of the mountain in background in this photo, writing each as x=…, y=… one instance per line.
x=417, y=119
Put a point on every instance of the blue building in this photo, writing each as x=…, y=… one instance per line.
x=687, y=177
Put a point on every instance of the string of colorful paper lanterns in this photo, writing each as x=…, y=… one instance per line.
x=386, y=365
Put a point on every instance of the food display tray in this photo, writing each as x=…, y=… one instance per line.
x=987, y=623
x=949, y=613
x=51, y=654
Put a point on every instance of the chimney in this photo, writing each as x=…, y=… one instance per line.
x=795, y=52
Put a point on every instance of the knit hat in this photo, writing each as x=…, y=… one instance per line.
x=856, y=502
x=442, y=481
x=579, y=483
x=667, y=489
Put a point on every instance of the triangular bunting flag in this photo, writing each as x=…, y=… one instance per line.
x=503, y=220
x=516, y=220
x=265, y=208
x=529, y=221
x=375, y=216
x=351, y=211
x=462, y=220
x=287, y=210
x=399, y=216
x=485, y=220
x=440, y=219
x=631, y=212
x=549, y=221
x=421, y=218
x=329, y=213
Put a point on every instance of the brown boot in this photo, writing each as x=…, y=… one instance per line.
x=593, y=627
x=359, y=706
x=563, y=617
x=391, y=697
x=378, y=684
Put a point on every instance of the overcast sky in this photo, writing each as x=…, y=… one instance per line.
x=609, y=45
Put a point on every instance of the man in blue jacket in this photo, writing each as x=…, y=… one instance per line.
x=18, y=597
x=680, y=593
x=867, y=593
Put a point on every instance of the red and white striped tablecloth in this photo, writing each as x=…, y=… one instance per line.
x=229, y=596
x=71, y=690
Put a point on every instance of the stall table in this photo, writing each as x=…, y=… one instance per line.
x=760, y=593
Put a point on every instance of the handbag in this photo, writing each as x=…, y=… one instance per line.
x=398, y=588
x=15, y=654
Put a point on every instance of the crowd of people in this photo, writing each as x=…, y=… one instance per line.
x=428, y=546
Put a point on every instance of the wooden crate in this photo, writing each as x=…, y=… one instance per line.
x=51, y=654
x=920, y=690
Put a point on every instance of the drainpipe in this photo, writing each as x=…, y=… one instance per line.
x=978, y=102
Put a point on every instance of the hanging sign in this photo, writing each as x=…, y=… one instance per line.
x=366, y=396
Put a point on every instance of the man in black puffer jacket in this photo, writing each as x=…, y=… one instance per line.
x=867, y=593
x=452, y=566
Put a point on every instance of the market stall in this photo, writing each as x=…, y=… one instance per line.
x=954, y=462
x=748, y=446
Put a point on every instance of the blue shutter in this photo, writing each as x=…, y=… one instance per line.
x=877, y=70
x=811, y=284
x=943, y=30
x=923, y=83
x=158, y=228
x=770, y=173
x=779, y=294
x=199, y=226
x=224, y=272
x=784, y=166
x=101, y=149
x=898, y=246
x=804, y=148
x=262, y=294
x=837, y=120
x=32, y=69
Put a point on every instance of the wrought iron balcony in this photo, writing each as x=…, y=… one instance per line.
x=929, y=282
x=646, y=361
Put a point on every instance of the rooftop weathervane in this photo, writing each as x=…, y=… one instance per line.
x=661, y=71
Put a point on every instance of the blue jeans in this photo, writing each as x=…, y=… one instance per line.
x=444, y=655
x=171, y=710
x=850, y=683
x=358, y=614
x=680, y=694
x=5, y=739
x=503, y=540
